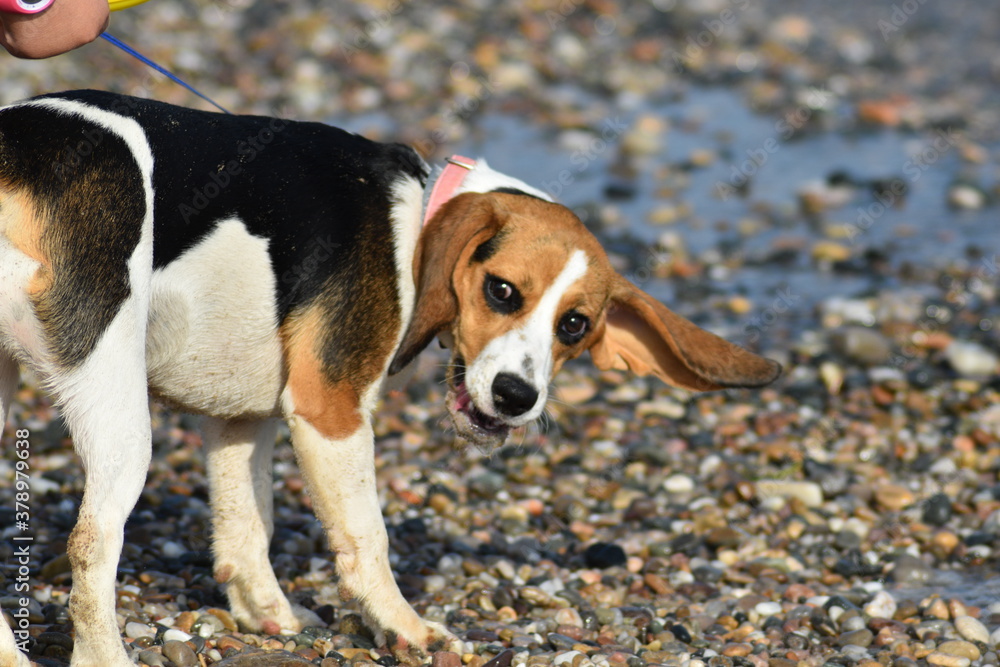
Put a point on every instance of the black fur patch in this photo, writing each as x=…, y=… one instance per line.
x=486, y=249
x=88, y=191
x=508, y=190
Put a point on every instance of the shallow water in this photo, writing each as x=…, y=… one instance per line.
x=980, y=589
x=920, y=228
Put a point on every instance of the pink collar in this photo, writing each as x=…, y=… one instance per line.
x=451, y=178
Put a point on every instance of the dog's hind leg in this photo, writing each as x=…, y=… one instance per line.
x=239, y=471
x=104, y=401
x=9, y=653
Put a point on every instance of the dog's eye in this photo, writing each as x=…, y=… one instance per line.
x=572, y=327
x=501, y=295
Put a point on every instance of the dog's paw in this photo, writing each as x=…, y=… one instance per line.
x=416, y=650
x=277, y=619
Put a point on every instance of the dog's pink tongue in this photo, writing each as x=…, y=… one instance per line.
x=462, y=398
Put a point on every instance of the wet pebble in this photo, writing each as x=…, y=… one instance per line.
x=972, y=629
x=180, y=654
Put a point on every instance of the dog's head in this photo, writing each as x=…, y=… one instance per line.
x=515, y=286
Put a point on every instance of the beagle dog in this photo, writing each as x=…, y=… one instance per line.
x=251, y=269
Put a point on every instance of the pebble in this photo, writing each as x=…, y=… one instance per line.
x=972, y=629
x=862, y=345
x=966, y=197
x=960, y=648
x=809, y=494
x=971, y=359
x=173, y=634
x=572, y=658
x=179, y=653
x=678, y=484
x=861, y=638
x=135, y=630
x=945, y=660
x=936, y=510
x=894, y=497
x=446, y=659
x=882, y=605
x=269, y=659
x=603, y=556
x=768, y=608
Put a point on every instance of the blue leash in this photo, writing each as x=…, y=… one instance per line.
x=135, y=54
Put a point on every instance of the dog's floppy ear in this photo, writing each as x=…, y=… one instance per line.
x=644, y=336
x=450, y=237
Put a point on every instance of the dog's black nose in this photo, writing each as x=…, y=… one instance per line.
x=512, y=396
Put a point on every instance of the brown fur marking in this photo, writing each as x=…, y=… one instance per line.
x=331, y=407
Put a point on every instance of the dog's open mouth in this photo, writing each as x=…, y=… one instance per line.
x=470, y=422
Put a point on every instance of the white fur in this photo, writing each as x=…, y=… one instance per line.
x=213, y=344
x=527, y=348
x=485, y=179
x=406, y=216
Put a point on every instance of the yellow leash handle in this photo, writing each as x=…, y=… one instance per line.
x=123, y=4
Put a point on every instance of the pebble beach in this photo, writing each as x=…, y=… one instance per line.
x=818, y=183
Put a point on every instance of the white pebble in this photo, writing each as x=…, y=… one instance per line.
x=678, y=484
x=970, y=359
x=434, y=583
x=450, y=564
x=709, y=464
x=552, y=586
x=171, y=549
x=134, y=630
x=768, y=608
x=680, y=577
x=973, y=630
x=965, y=196
x=506, y=569
x=569, y=616
x=809, y=493
x=882, y=605
x=173, y=634
x=565, y=658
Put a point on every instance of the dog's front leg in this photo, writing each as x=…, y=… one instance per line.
x=340, y=477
